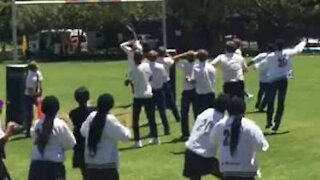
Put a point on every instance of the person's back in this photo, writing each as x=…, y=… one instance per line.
x=232, y=66
x=159, y=75
x=204, y=75
x=140, y=75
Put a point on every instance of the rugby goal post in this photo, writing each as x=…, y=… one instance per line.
x=15, y=3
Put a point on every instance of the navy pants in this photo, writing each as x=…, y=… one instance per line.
x=103, y=174
x=149, y=108
x=234, y=89
x=238, y=178
x=40, y=170
x=170, y=102
x=29, y=103
x=262, y=96
x=204, y=101
x=159, y=102
x=277, y=88
x=188, y=98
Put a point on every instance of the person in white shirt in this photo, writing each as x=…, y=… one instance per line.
x=32, y=92
x=233, y=67
x=238, y=140
x=277, y=64
x=159, y=77
x=263, y=78
x=168, y=62
x=238, y=46
x=203, y=76
x=199, y=156
x=129, y=47
x=140, y=76
x=52, y=137
x=102, y=132
x=188, y=96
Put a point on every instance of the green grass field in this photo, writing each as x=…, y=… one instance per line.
x=292, y=156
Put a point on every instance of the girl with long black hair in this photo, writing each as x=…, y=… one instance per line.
x=102, y=131
x=238, y=139
x=52, y=138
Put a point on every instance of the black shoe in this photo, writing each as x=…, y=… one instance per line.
x=268, y=126
x=167, y=132
x=183, y=138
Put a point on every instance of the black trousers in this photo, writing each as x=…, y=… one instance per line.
x=40, y=170
x=149, y=108
x=262, y=96
x=102, y=174
x=159, y=101
x=204, y=101
x=169, y=100
x=29, y=103
x=4, y=174
x=234, y=89
x=276, y=89
x=238, y=178
x=188, y=98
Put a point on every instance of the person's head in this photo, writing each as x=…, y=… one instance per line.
x=162, y=51
x=270, y=47
x=237, y=43
x=50, y=108
x=82, y=96
x=202, y=55
x=191, y=57
x=33, y=66
x=152, y=55
x=138, y=56
x=279, y=44
x=104, y=105
x=236, y=109
x=221, y=103
x=230, y=47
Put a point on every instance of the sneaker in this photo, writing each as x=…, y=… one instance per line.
x=137, y=144
x=250, y=96
x=154, y=140
x=268, y=126
x=273, y=131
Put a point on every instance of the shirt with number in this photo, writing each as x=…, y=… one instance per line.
x=204, y=75
x=278, y=62
x=125, y=46
x=263, y=71
x=107, y=155
x=199, y=140
x=33, y=81
x=141, y=76
x=60, y=140
x=186, y=68
x=159, y=75
x=232, y=66
x=251, y=140
x=167, y=62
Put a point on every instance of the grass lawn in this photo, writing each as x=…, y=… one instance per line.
x=292, y=156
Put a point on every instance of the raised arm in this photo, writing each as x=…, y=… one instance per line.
x=182, y=55
x=216, y=61
x=297, y=49
x=125, y=46
x=257, y=59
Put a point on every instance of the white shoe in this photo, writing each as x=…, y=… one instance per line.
x=137, y=144
x=250, y=96
x=154, y=141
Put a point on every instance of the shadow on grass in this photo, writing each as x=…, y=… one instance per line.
x=256, y=112
x=178, y=153
x=122, y=114
x=123, y=106
x=275, y=134
x=175, y=141
x=19, y=137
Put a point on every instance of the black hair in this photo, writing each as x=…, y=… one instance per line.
x=82, y=95
x=138, y=56
x=50, y=108
x=270, y=47
x=32, y=66
x=152, y=55
x=279, y=44
x=162, y=51
x=237, y=43
x=202, y=55
x=104, y=105
x=236, y=108
x=221, y=102
x=230, y=47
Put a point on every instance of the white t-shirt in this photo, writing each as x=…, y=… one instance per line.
x=239, y=52
x=204, y=75
x=187, y=71
x=167, y=62
x=278, y=62
x=232, y=66
x=199, y=140
x=159, y=75
x=125, y=46
x=107, y=155
x=33, y=81
x=141, y=76
x=263, y=71
x=251, y=140
x=60, y=140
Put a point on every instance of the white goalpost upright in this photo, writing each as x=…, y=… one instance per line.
x=15, y=3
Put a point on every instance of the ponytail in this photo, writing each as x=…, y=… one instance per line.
x=50, y=107
x=105, y=103
x=235, y=134
x=95, y=132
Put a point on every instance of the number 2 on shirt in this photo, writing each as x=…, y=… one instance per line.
x=282, y=61
x=205, y=127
